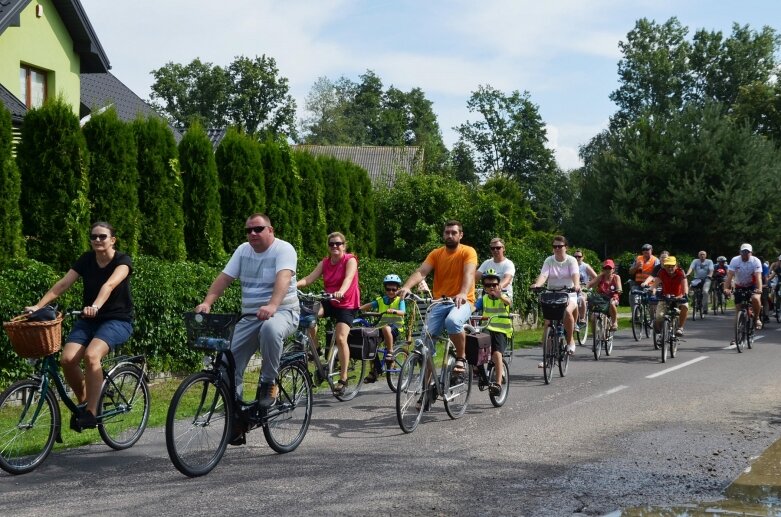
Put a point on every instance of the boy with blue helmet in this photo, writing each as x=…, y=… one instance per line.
x=495, y=305
x=391, y=323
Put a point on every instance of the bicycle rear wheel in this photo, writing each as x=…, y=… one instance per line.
x=287, y=421
x=456, y=396
x=198, y=424
x=411, y=398
x=355, y=373
x=664, y=337
x=638, y=321
x=673, y=338
x=740, y=331
x=501, y=398
x=596, y=337
x=563, y=357
x=608, y=342
x=548, y=353
x=29, y=424
x=392, y=374
x=581, y=333
x=123, y=407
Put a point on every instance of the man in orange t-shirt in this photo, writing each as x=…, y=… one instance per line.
x=454, y=266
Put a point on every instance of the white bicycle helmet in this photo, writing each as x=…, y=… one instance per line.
x=391, y=279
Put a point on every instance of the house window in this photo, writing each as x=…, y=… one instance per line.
x=33, y=86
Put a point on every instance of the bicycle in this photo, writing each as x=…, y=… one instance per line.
x=486, y=373
x=581, y=330
x=419, y=384
x=744, y=325
x=206, y=412
x=697, y=297
x=717, y=299
x=30, y=419
x=602, y=335
x=328, y=368
x=668, y=338
x=641, y=313
x=382, y=358
x=554, y=347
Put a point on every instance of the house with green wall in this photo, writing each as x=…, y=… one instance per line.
x=49, y=48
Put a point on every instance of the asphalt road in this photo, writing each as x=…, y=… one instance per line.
x=625, y=431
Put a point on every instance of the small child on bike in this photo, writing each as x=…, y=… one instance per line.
x=391, y=322
x=495, y=305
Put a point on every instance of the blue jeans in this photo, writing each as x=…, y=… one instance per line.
x=446, y=316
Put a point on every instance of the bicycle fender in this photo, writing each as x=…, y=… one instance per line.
x=292, y=357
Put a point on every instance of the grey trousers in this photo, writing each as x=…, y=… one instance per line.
x=252, y=334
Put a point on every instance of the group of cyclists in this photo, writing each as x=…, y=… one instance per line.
x=266, y=268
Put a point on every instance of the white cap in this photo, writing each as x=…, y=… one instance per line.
x=746, y=247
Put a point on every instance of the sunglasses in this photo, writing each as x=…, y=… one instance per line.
x=255, y=229
x=334, y=244
x=488, y=286
x=496, y=247
x=392, y=289
x=578, y=256
x=98, y=237
x=559, y=246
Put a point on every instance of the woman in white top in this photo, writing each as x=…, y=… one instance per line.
x=561, y=270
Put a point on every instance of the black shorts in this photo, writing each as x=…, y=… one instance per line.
x=339, y=315
x=498, y=341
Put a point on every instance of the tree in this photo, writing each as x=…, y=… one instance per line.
x=282, y=191
x=113, y=179
x=362, y=226
x=509, y=140
x=759, y=106
x=10, y=190
x=337, y=194
x=462, y=164
x=242, y=185
x=202, y=215
x=160, y=191
x=653, y=74
x=249, y=94
x=197, y=92
x=312, y=202
x=53, y=162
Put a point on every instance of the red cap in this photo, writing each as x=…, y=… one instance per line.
x=609, y=263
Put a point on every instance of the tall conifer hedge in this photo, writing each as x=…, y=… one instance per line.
x=10, y=189
x=202, y=216
x=338, y=214
x=113, y=179
x=283, y=199
x=312, y=203
x=53, y=162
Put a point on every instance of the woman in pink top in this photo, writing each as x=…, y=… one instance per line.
x=608, y=284
x=340, y=276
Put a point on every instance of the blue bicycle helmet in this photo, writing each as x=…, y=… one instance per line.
x=391, y=279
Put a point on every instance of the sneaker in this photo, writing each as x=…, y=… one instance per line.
x=758, y=325
x=679, y=332
x=540, y=365
x=239, y=438
x=571, y=349
x=268, y=394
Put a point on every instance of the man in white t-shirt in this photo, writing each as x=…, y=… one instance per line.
x=745, y=271
x=266, y=268
x=503, y=266
x=561, y=270
x=702, y=267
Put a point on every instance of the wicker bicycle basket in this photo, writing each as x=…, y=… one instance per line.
x=34, y=338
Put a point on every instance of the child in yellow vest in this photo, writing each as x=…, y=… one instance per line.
x=391, y=323
x=494, y=304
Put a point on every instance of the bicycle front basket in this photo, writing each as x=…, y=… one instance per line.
x=209, y=331
x=553, y=305
x=34, y=338
x=598, y=303
x=309, y=307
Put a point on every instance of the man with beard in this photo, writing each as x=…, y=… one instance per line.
x=454, y=267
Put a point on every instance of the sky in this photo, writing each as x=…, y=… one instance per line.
x=565, y=53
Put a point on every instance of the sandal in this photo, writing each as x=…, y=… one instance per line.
x=494, y=388
x=340, y=387
x=372, y=377
x=390, y=361
x=458, y=372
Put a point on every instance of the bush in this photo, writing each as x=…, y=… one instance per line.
x=113, y=185
x=53, y=159
x=10, y=189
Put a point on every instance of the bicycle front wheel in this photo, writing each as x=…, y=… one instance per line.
x=123, y=407
x=288, y=420
x=548, y=353
x=198, y=425
x=411, y=398
x=456, y=395
x=597, y=337
x=740, y=331
x=355, y=374
x=392, y=373
x=664, y=337
x=501, y=398
x=673, y=338
x=29, y=424
x=582, y=333
x=638, y=320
